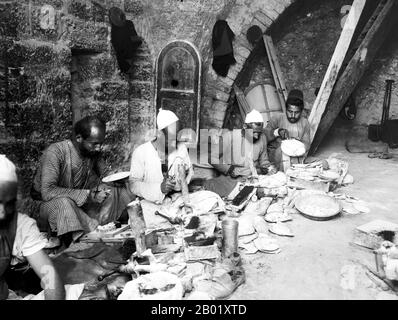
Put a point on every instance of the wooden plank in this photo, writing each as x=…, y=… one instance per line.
x=277, y=66
x=356, y=68
x=334, y=66
x=277, y=79
x=364, y=31
x=244, y=107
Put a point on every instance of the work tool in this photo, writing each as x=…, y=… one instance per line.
x=172, y=220
x=106, y=275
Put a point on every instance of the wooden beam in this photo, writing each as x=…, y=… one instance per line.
x=276, y=70
x=334, y=66
x=356, y=68
x=242, y=103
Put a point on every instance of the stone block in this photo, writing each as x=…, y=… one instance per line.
x=33, y=52
x=217, y=94
x=139, y=108
x=218, y=109
x=206, y=103
x=53, y=83
x=134, y=7
x=41, y=25
x=38, y=118
x=280, y=6
x=11, y=14
x=211, y=84
x=20, y=87
x=234, y=71
x=91, y=66
x=271, y=13
x=108, y=110
x=263, y=18
x=242, y=51
x=240, y=60
x=56, y=4
x=88, y=10
x=141, y=90
x=141, y=72
x=110, y=91
x=241, y=40
x=227, y=81
x=85, y=35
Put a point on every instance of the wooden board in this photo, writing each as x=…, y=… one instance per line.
x=334, y=66
x=356, y=68
x=302, y=184
x=96, y=236
x=244, y=107
x=263, y=97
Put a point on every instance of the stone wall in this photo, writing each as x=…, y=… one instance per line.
x=370, y=91
x=57, y=66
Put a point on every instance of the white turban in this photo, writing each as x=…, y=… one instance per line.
x=165, y=118
x=253, y=117
x=7, y=170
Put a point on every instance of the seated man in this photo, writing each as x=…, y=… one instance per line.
x=67, y=183
x=161, y=166
x=251, y=146
x=288, y=126
x=20, y=240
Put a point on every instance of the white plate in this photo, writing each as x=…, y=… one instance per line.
x=329, y=175
x=116, y=177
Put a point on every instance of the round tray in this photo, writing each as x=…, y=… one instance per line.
x=116, y=177
x=293, y=148
x=318, y=207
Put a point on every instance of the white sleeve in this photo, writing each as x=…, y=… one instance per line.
x=28, y=239
x=148, y=190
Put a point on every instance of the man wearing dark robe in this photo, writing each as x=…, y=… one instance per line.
x=67, y=182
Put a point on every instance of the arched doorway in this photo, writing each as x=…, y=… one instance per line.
x=178, y=78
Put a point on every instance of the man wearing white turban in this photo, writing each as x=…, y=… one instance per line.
x=248, y=154
x=157, y=171
x=20, y=239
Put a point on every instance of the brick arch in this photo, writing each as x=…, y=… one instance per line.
x=217, y=89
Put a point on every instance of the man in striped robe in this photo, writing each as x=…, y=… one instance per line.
x=67, y=183
x=289, y=125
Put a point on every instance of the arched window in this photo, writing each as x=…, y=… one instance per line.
x=178, y=83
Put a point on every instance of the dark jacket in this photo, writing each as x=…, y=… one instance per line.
x=223, y=55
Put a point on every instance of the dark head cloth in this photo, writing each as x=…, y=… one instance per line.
x=117, y=17
x=295, y=97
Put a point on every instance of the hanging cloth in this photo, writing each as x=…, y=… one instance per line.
x=223, y=55
x=125, y=41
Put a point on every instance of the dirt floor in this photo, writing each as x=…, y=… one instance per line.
x=319, y=262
